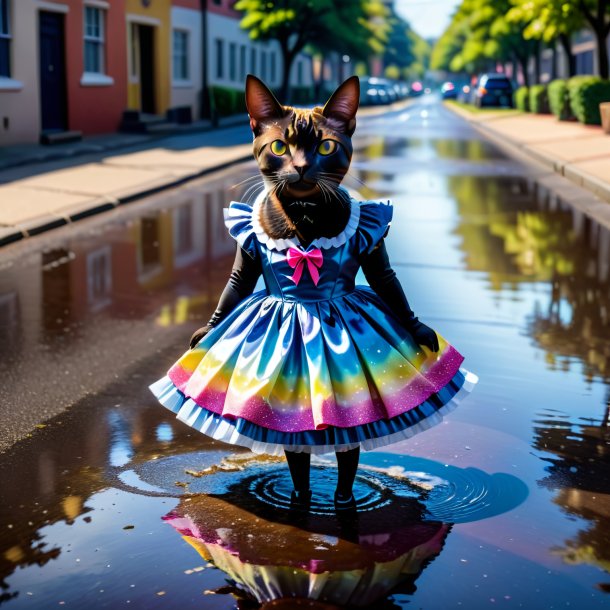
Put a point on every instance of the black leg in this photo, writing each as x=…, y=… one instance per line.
x=347, y=461
x=298, y=463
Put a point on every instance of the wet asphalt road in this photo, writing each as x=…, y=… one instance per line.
x=112, y=503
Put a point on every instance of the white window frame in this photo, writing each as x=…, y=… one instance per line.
x=182, y=80
x=95, y=78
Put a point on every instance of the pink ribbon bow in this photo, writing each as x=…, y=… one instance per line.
x=297, y=260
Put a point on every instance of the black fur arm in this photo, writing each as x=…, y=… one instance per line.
x=243, y=278
x=382, y=279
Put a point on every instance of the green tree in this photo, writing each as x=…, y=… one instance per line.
x=399, y=48
x=352, y=27
x=479, y=35
x=549, y=20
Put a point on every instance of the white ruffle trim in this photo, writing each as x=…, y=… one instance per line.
x=225, y=431
x=321, y=242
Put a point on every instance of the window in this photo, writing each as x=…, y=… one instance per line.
x=5, y=40
x=232, y=61
x=242, y=62
x=219, y=58
x=253, y=60
x=181, y=55
x=272, y=58
x=94, y=40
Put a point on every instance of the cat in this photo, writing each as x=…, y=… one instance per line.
x=303, y=155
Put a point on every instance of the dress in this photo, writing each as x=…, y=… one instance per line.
x=312, y=362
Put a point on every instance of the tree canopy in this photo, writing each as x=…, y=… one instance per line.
x=358, y=28
x=485, y=31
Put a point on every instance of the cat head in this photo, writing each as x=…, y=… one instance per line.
x=302, y=153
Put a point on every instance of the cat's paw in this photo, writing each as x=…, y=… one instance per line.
x=425, y=336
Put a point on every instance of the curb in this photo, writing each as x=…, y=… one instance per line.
x=42, y=224
x=129, y=140
x=593, y=184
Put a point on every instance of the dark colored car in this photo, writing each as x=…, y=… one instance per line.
x=374, y=91
x=493, y=90
x=449, y=91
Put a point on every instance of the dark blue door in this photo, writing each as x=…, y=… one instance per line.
x=52, y=72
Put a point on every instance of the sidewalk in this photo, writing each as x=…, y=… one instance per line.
x=579, y=152
x=36, y=197
x=42, y=188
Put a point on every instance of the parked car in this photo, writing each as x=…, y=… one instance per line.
x=374, y=91
x=493, y=89
x=449, y=91
x=417, y=89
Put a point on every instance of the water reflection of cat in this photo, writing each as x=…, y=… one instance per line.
x=272, y=555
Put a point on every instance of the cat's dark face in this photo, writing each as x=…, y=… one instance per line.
x=303, y=154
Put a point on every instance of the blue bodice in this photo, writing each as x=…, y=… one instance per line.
x=327, y=268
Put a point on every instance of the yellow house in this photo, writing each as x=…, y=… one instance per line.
x=148, y=57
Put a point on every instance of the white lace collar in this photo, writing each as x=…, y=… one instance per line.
x=320, y=242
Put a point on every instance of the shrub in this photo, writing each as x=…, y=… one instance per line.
x=228, y=101
x=586, y=93
x=539, y=100
x=522, y=99
x=559, y=101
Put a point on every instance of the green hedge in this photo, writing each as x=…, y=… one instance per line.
x=522, y=99
x=228, y=101
x=539, y=99
x=586, y=93
x=559, y=100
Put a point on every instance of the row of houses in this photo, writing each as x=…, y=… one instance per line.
x=77, y=65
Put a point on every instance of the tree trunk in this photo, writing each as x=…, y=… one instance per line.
x=288, y=56
x=537, y=64
x=206, y=104
x=566, y=44
x=523, y=62
x=602, y=51
x=553, y=62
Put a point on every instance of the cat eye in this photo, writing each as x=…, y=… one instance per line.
x=327, y=147
x=278, y=148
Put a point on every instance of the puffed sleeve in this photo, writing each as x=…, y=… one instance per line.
x=375, y=218
x=238, y=219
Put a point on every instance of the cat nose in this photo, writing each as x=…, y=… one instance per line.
x=301, y=169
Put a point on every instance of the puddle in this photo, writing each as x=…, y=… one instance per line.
x=114, y=503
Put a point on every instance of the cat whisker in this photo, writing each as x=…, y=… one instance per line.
x=248, y=179
x=362, y=182
x=253, y=191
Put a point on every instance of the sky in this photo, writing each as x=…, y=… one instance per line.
x=428, y=18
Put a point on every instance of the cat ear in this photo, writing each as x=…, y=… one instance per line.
x=261, y=103
x=343, y=104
